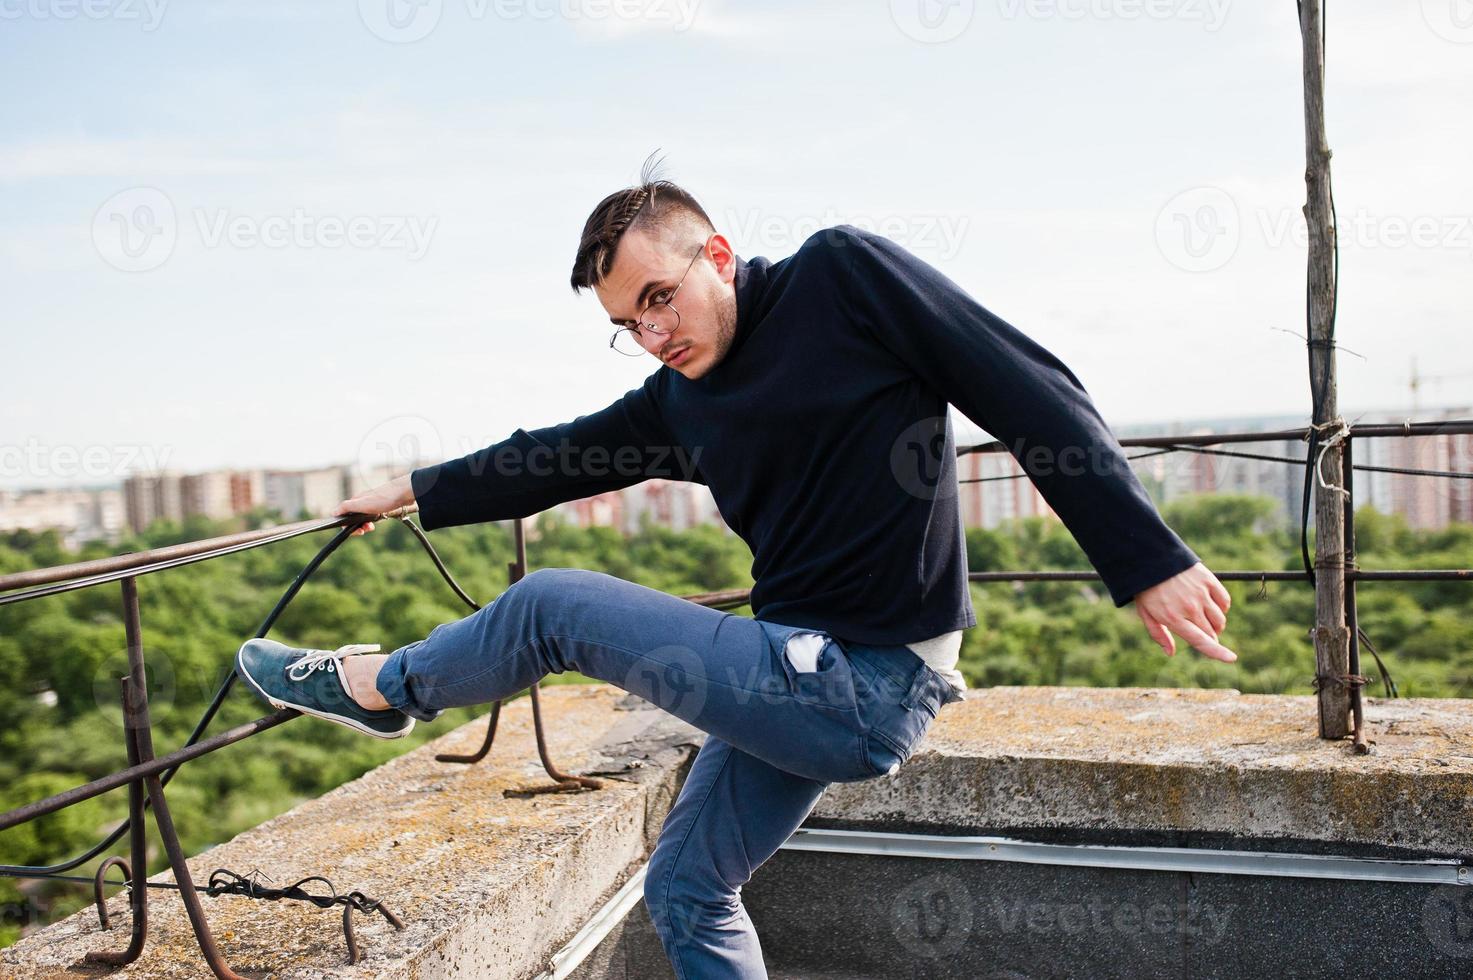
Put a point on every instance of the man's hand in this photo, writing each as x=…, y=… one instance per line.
x=1193, y=604
x=381, y=499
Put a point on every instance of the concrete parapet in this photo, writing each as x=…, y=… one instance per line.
x=491, y=882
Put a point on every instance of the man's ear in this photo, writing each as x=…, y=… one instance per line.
x=722, y=257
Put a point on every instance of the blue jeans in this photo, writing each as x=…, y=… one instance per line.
x=776, y=737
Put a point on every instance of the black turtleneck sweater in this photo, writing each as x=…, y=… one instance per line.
x=824, y=437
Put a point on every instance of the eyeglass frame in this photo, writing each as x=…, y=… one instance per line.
x=639, y=320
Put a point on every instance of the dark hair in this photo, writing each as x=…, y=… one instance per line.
x=653, y=204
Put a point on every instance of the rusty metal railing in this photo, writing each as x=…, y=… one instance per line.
x=147, y=775
x=1352, y=680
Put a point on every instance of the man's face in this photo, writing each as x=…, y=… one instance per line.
x=645, y=269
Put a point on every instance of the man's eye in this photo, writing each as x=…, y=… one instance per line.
x=663, y=296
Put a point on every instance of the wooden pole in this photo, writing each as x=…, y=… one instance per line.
x=1331, y=635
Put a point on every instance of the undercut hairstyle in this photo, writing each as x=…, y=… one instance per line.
x=655, y=206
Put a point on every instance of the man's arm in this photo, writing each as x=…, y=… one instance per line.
x=530, y=471
x=1026, y=397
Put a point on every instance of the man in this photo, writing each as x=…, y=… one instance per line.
x=810, y=395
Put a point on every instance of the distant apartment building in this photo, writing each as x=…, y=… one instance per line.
x=600, y=510
x=992, y=489
x=219, y=494
x=675, y=504
x=1427, y=502
x=1172, y=475
x=149, y=497
x=317, y=492
x=80, y=515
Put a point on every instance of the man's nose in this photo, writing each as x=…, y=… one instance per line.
x=656, y=343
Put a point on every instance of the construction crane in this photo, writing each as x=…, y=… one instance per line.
x=1417, y=380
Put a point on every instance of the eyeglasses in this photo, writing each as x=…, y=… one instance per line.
x=658, y=317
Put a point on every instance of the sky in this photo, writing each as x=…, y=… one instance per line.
x=283, y=233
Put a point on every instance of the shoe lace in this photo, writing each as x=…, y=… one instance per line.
x=329, y=660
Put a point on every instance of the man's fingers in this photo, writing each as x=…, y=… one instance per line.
x=1205, y=643
x=1158, y=632
x=1219, y=593
x=1216, y=622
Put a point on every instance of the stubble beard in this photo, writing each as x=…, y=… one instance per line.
x=726, y=320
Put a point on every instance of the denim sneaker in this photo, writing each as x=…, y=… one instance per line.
x=311, y=681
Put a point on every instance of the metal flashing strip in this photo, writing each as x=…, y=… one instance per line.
x=562, y=963
x=1426, y=872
